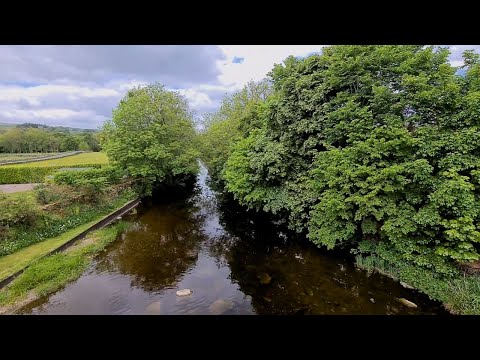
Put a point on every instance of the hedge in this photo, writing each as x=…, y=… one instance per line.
x=33, y=174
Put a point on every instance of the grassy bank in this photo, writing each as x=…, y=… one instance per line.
x=51, y=273
x=51, y=224
x=12, y=263
x=459, y=293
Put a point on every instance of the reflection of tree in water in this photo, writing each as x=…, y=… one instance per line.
x=163, y=245
x=284, y=274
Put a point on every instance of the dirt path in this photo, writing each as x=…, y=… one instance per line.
x=12, y=188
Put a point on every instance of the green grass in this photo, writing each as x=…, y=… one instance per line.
x=10, y=264
x=75, y=160
x=460, y=293
x=51, y=273
x=77, y=215
x=19, y=195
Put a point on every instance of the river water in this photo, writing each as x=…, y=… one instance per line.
x=232, y=262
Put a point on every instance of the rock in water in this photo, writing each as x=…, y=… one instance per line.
x=184, y=292
x=220, y=306
x=405, y=285
x=372, y=300
x=153, y=308
x=264, y=278
x=407, y=303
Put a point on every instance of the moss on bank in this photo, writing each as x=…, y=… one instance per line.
x=460, y=293
x=51, y=273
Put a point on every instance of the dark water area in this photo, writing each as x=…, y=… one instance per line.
x=234, y=261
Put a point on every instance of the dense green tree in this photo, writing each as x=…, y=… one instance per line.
x=28, y=138
x=371, y=147
x=91, y=141
x=239, y=113
x=152, y=135
x=69, y=143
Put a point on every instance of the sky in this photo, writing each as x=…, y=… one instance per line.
x=79, y=85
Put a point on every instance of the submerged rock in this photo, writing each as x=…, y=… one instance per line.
x=153, y=308
x=220, y=306
x=265, y=278
x=407, y=303
x=184, y=292
x=372, y=300
x=406, y=286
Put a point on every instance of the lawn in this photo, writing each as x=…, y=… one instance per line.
x=75, y=160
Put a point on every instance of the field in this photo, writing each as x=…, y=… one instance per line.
x=25, y=156
x=75, y=160
x=34, y=172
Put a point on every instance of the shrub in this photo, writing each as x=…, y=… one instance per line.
x=31, y=174
x=18, y=212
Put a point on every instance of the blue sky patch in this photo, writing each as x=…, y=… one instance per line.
x=237, y=60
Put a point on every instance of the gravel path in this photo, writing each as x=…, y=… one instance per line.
x=12, y=188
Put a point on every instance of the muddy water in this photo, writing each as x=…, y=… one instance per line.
x=233, y=262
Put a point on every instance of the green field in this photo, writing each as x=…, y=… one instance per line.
x=75, y=160
x=24, y=156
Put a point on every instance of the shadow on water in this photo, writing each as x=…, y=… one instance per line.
x=235, y=261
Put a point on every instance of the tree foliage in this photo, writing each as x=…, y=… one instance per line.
x=239, y=113
x=152, y=135
x=30, y=138
x=371, y=147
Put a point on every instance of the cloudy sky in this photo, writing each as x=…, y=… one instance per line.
x=79, y=86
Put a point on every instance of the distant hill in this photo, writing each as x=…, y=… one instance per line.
x=46, y=127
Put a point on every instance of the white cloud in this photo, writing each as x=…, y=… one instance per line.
x=196, y=98
x=33, y=94
x=258, y=61
x=80, y=85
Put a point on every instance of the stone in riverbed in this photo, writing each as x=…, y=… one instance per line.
x=153, y=308
x=184, y=292
x=407, y=303
x=220, y=306
x=406, y=286
x=265, y=278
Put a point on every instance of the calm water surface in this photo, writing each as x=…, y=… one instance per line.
x=233, y=263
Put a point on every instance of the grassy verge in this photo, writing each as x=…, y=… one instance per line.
x=460, y=294
x=84, y=214
x=12, y=263
x=21, y=195
x=51, y=273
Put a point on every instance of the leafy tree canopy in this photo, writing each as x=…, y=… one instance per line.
x=152, y=135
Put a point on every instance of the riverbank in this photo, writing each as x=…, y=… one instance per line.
x=50, y=273
x=459, y=294
x=11, y=265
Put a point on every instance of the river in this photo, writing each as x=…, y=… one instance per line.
x=232, y=263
